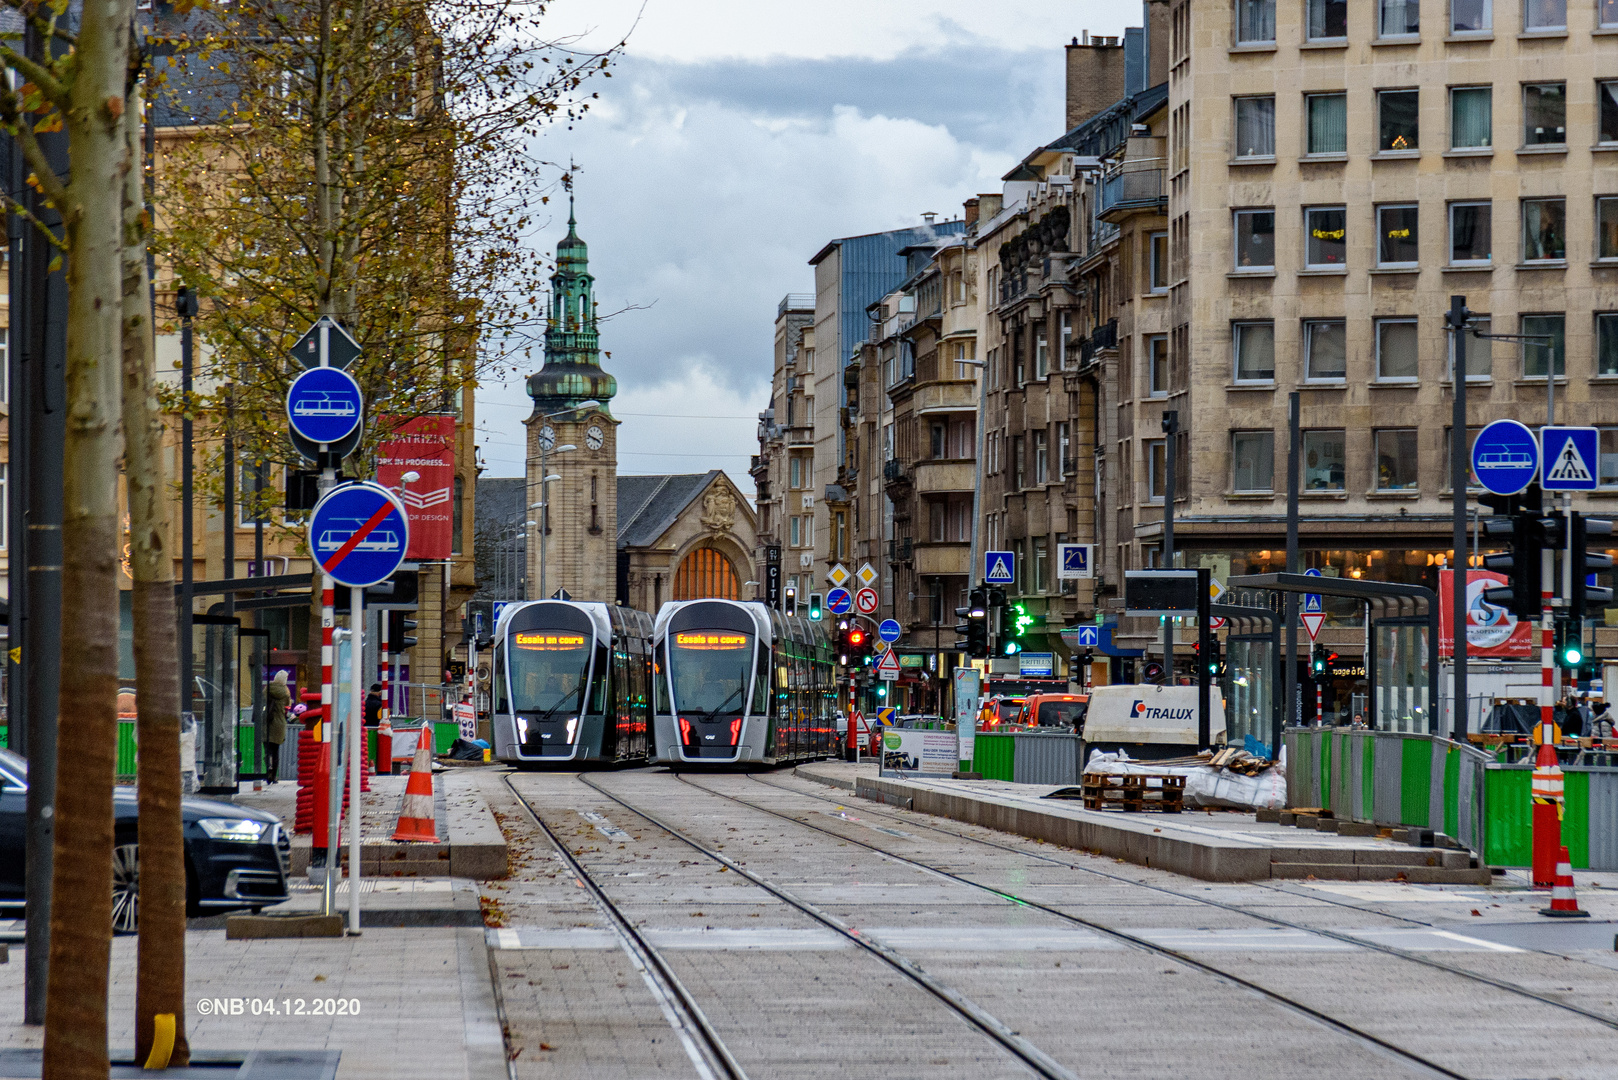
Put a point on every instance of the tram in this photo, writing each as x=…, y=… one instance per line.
x=739, y=682
x=572, y=683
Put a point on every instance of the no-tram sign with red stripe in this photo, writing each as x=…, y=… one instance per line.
x=359, y=534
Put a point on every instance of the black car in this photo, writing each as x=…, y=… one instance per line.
x=235, y=857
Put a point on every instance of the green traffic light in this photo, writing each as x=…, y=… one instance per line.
x=1572, y=656
x=1012, y=648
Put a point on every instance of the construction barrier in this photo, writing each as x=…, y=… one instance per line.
x=1029, y=757
x=1589, y=815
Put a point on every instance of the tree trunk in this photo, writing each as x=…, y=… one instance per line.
x=81, y=912
x=160, y=978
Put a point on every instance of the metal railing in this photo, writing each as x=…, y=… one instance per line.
x=1133, y=189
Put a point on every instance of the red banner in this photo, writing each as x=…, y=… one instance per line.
x=1490, y=631
x=425, y=445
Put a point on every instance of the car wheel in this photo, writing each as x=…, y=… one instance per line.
x=125, y=889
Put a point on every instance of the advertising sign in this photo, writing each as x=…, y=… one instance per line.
x=1490, y=631
x=1040, y=664
x=1075, y=561
x=425, y=445
x=967, y=691
x=919, y=753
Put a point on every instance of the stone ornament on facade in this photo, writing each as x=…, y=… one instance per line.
x=719, y=510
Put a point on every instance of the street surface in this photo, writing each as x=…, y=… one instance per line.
x=993, y=956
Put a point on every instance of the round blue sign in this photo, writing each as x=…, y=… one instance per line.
x=1505, y=457
x=839, y=601
x=324, y=405
x=359, y=533
x=889, y=631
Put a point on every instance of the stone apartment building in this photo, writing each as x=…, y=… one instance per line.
x=783, y=469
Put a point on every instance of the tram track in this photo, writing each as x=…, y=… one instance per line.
x=1264, y=917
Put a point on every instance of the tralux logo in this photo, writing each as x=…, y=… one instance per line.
x=1151, y=712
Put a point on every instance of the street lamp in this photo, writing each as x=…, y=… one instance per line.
x=544, y=508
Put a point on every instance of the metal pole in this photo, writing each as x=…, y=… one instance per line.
x=1289, y=670
x=327, y=815
x=356, y=747
x=1204, y=652
x=1171, y=427
x=229, y=560
x=1459, y=577
x=185, y=303
x=544, y=518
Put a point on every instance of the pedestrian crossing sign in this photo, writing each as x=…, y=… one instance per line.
x=999, y=567
x=1568, y=458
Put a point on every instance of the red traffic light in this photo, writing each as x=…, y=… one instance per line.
x=856, y=637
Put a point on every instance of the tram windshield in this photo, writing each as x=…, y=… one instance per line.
x=548, y=670
x=710, y=670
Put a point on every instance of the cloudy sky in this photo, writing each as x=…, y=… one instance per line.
x=734, y=139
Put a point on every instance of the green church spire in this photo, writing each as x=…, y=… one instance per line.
x=572, y=371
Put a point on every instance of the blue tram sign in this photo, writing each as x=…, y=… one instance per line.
x=358, y=534
x=324, y=405
x=1505, y=457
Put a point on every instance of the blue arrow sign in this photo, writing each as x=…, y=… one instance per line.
x=999, y=567
x=359, y=534
x=324, y=405
x=839, y=602
x=1089, y=636
x=1570, y=458
x=1505, y=457
x=889, y=631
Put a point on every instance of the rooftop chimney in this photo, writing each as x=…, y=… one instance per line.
x=1095, y=77
x=969, y=212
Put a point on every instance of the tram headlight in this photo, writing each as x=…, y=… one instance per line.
x=522, y=728
x=572, y=728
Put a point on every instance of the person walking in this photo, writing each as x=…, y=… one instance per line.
x=373, y=705
x=277, y=699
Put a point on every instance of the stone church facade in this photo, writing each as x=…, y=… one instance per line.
x=687, y=536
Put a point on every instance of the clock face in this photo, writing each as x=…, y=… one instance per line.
x=547, y=437
x=593, y=438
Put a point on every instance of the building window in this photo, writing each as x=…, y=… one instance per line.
x=1470, y=233
x=1156, y=470
x=5, y=358
x=1019, y=465
x=1544, y=230
x=1042, y=352
x=1157, y=366
x=1328, y=19
x=1326, y=230
x=1070, y=355
x=1325, y=349
x=939, y=439
x=1064, y=448
x=794, y=473
x=964, y=351
x=1396, y=236
x=1255, y=351
x=1607, y=13
x=5, y=507
x=1479, y=351
x=1252, y=455
x=1471, y=16
x=1471, y=117
x=796, y=532
x=1607, y=344
x=1324, y=460
x=1607, y=456
x=1018, y=365
x=1398, y=117
x=1255, y=127
x=1544, y=113
x=1544, y=14
x=1255, y=22
x=1160, y=262
x=1398, y=18
x=1255, y=239
x=1395, y=459
x=1042, y=557
x=1396, y=359
x=1328, y=124
x=1551, y=350
x=1607, y=228
x=1042, y=459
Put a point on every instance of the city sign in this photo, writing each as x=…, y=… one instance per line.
x=358, y=533
x=1075, y=561
x=999, y=567
x=1569, y=458
x=867, y=601
x=324, y=405
x=889, y=631
x=1505, y=457
x=839, y=602
x=326, y=344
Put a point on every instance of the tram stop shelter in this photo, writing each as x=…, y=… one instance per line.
x=1401, y=635
x=1253, y=657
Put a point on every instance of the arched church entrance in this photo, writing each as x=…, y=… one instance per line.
x=706, y=574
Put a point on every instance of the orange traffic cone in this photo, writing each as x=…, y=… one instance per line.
x=1564, y=904
x=416, y=812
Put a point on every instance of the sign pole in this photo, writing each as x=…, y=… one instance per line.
x=1458, y=315
x=1204, y=651
x=322, y=813
x=356, y=747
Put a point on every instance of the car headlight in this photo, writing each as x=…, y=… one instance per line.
x=243, y=830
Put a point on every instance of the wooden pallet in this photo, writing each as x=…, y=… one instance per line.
x=1135, y=793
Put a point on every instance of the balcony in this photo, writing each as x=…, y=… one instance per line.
x=893, y=472
x=949, y=396
x=935, y=559
x=939, y=477
x=1135, y=187
x=799, y=435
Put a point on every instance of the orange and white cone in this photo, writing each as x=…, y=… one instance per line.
x=1564, y=904
x=416, y=812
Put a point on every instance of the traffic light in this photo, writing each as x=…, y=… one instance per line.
x=789, y=600
x=1317, y=662
x=1531, y=532
x=854, y=644
x=815, y=608
x=1214, y=660
x=1569, y=643
x=1014, y=622
x=976, y=627
x=399, y=626
x=1585, y=563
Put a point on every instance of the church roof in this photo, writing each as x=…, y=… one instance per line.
x=648, y=505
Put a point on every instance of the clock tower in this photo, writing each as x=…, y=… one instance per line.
x=573, y=437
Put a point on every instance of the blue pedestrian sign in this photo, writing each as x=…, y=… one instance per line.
x=839, y=602
x=1505, y=457
x=324, y=405
x=359, y=534
x=1570, y=458
x=1311, y=601
x=1089, y=637
x=889, y=631
x=999, y=567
